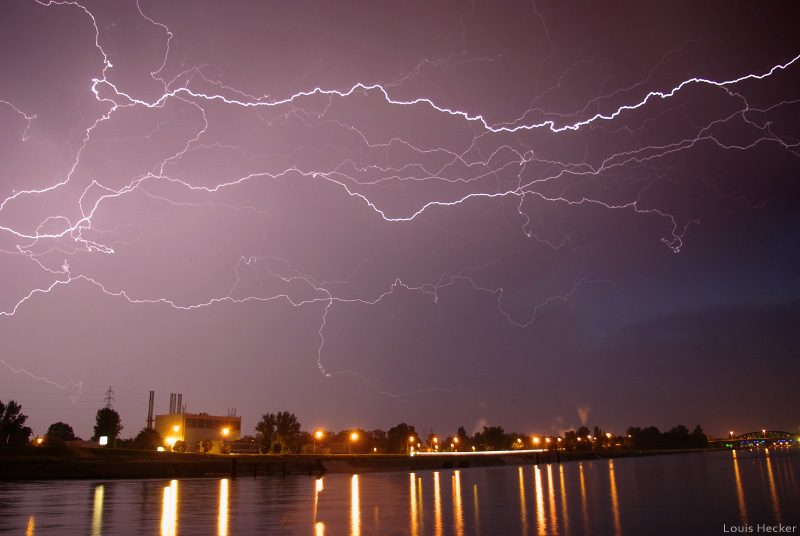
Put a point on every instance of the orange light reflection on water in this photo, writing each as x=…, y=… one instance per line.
x=437, y=504
x=773, y=492
x=355, y=508
x=522, y=510
x=552, y=502
x=614, y=499
x=583, y=500
x=97, y=511
x=169, y=510
x=458, y=512
x=412, y=488
x=563, y=499
x=739, y=490
x=540, y=522
x=222, y=522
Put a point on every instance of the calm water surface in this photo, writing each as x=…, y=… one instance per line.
x=713, y=493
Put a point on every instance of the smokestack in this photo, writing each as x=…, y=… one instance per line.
x=178, y=407
x=150, y=411
x=171, y=403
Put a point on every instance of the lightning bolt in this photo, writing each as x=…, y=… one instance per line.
x=499, y=162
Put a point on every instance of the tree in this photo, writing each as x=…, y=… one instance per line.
x=494, y=438
x=206, y=445
x=265, y=432
x=179, y=446
x=397, y=438
x=58, y=433
x=107, y=424
x=287, y=431
x=12, y=424
x=698, y=439
x=148, y=439
x=278, y=432
x=378, y=439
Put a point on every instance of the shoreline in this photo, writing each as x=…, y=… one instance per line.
x=54, y=463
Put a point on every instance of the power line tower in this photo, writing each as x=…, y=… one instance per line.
x=109, y=398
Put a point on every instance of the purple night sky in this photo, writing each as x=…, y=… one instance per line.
x=519, y=214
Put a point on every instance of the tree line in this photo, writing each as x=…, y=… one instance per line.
x=14, y=431
x=282, y=433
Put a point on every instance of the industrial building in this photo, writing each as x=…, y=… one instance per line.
x=194, y=428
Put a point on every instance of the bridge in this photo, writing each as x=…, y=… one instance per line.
x=759, y=438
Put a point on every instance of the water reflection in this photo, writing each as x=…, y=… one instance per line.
x=97, y=511
x=539, y=503
x=475, y=509
x=355, y=509
x=437, y=504
x=522, y=512
x=614, y=499
x=317, y=489
x=739, y=490
x=222, y=522
x=583, y=500
x=552, y=503
x=414, y=514
x=458, y=513
x=575, y=499
x=169, y=510
x=563, y=499
x=773, y=492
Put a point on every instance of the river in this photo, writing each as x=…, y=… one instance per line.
x=730, y=492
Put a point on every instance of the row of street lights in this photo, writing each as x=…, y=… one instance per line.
x=318, y=435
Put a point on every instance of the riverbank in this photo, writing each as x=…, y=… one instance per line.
x=42, y=463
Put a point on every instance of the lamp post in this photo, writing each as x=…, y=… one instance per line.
x=317, y=435
x=224, y=432
x=410, y=440
x=353, y=439
x=455, y=440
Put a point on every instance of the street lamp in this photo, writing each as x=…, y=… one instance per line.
x=224, y=432
x=353, y=438
x=436, y=443
x=410, y=440
x=535, y=441
x=455, y=439
x=317, y=435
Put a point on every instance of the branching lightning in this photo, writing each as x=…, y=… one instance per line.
x=501, y=162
